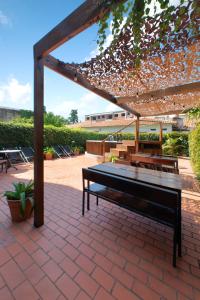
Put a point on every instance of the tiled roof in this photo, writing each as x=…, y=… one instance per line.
x=117, y=122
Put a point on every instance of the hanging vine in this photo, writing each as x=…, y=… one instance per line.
x=134, y=16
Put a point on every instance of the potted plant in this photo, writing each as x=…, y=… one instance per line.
x=76, y=150
x=20, y=201
x=113, y=158
x=48, y=153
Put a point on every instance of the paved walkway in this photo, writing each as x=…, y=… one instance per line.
x=109, y=254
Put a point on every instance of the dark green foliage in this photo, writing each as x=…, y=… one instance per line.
x=14, y=135
x=73, y=117
x=26, y=113
x=194, y=147
x=55, y=120
x=176, y=143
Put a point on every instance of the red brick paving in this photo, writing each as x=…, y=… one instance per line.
x=109, y=254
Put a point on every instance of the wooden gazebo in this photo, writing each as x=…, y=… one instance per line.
x=167, y=80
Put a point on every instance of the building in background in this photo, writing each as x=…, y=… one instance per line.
x=117, y=120
x=7, y=114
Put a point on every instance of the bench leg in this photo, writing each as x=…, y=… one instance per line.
x=83, y=204
x=97, y=200
x=88, y=201
x=174, y=247
x=179, y=241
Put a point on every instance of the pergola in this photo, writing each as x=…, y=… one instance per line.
x=167, y=81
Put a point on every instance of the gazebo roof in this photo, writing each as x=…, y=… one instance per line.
x=167, y=80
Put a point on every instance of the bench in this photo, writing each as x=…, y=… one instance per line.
x=159, y=204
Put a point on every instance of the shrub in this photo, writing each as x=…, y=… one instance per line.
x=176, y=143
x=14, y=135
x=194, y=148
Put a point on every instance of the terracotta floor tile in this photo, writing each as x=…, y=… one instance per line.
x=69, y=267
x=23, y=260
x=34, y=274
x=40, y=257
x=5, y=294
x=52, y=270
x=103, y=295
x=25, y=291
x=85, y=263
x=12, y=274
x=103, y=278
x=4, y=256
x=109, y=254
x=87, y=283
x=68, y=287
x=47, y=290
x=119, y=292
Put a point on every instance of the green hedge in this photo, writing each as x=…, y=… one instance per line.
x=13, y=135
x=194, y=147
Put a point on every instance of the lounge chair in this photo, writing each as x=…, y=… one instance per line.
x=67, y=150
x=59, y=151
x=28, y=153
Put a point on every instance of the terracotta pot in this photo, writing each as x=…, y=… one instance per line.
x=48, y=156
x=77, y=152
x=15, y=205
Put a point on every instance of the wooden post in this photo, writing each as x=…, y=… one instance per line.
x=104, y=149
x=137, y=125
x=161, y=133
x=38, y=142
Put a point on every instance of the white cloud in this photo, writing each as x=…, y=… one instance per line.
x=89, y=103
x=14, y=93
x=4, y=20
x=112, y=107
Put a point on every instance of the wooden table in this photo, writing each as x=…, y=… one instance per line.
x=158, y=178
x=155, y=160
x=161, y=189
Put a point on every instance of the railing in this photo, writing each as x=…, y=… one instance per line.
x=118, y=131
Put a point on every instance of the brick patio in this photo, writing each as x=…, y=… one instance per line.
x=109, y=254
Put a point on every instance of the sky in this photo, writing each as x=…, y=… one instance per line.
x=22, y=24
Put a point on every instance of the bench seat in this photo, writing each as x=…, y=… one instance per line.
x=136, y=204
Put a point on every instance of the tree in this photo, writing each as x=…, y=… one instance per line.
x=26, y=117
x=24, y=113
x=192, y=117
x=55, y=120
x=73, y=117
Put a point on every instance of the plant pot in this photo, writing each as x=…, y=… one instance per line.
x=15, y=205
x=48, y=156
x=76, y=152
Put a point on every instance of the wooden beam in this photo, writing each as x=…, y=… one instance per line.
x=38, y=143
x=59, y=67
x=127, y=108
x=161, y=133
x=174, y=90
x=80, y=19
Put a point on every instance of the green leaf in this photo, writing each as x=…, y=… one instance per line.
x=23, y=203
